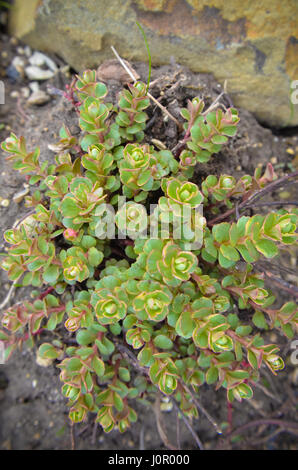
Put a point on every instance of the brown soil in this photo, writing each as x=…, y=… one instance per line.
x=33, y=413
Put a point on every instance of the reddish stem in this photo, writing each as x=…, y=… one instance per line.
x=45, y=293
x=230, y=416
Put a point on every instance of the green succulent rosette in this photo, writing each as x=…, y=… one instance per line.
x=99, y=163
x=137, y=156
x=131, y=117
x=165, y=261
x=135, y=167
x=165, y=163
x=77, y=206
x=274, y=362
x=93, y=115
x=164, y=373
x=110, y=305
x=153, y=302
x=182, y=193
x=219, y=341
x=87, y=85
x=131, y=220
x=80, y=314
x=241, y=392
x=176, y=264
x=75, y=265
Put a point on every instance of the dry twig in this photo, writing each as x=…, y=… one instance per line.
x=164, y=110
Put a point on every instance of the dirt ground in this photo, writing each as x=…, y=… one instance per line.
x=33, y=412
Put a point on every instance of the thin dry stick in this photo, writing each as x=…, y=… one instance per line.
x=72, y=440
x=178, y=430
x=142, y=440
x=278, y=267
x=160, y=425
x=250, y=202
x=203, y=410
x=9, y=294
x=130, y=357
x=215, y=103
x=274, y=203
x=286, y=425
x=18, y=222
x=188, y=425
x=286, y=286
x=181, y=145
x=94, y=432
x=266, y=392
x=164, y=110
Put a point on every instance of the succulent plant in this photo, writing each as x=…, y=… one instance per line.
x=146, y=312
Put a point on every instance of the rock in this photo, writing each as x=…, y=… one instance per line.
x=36, y=73
x=40, y=59
x=28, y=51
x=19, y=196
x=38, y=98
x=254, y=45
x=19, y=64
x=5, y=202
x=15, y=94
x=34, y=86
x=25, y=92
x=113, y=70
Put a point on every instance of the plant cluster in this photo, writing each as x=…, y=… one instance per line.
x=145, y=313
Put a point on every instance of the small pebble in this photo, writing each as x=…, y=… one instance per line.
x=43, y=362
x=19, y=196
x=19, y=64
x=40, y=59
x=14, y=94
x=38, y=98
x=66, y=70
x=294, y=376
x=12, y=73
x=34, y=383
x=273, y=337
x=284, y=194
x=28, y=51
x=36, y=73
x=34, y=86
x=160, y=145
x=111, y=69
x=14, y=41
x=20, y=50
x=5, y=203
x=273, y=160
x=25, y=92
x=166, y=406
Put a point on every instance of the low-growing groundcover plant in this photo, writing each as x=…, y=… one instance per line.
x=150, y=287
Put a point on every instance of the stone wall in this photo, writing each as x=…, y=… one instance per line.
x=251, y=43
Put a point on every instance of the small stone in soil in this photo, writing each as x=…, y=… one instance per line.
x=36, y=73
x=19, y=196
x=5, y=202
x=38, y=98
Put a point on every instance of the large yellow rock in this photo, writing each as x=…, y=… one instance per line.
x=251, y=43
